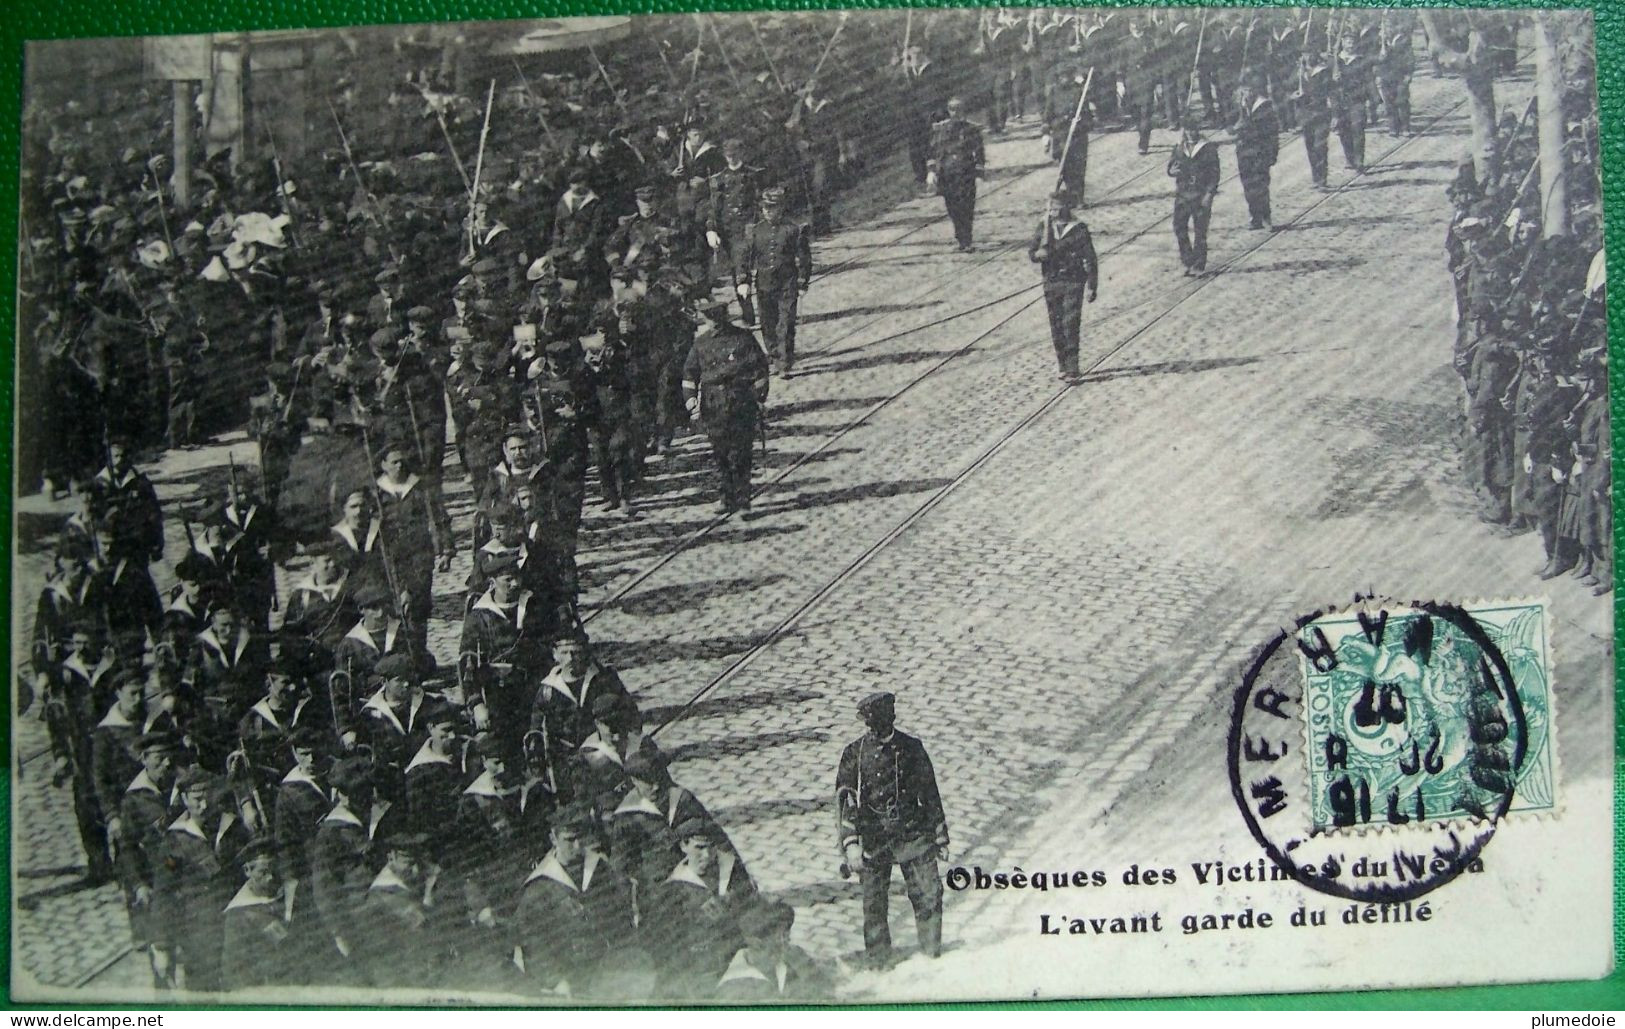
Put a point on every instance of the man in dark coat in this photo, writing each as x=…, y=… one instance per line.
x=889, y=812
x=724, y=385
x=1194, y=167
x=504, y=649
x=1313, y=100
x=689, y=920
x=734, y=193
x=345, y=854
x=265, y=943
x=1063, y=247
x=776, y=265
x=575, y=915
x=132, y=503
x=1257, y=148
x=769, y=966
x=194, y=879
x=955, y=165
x=149, y=804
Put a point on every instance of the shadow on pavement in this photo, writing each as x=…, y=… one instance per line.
x=1171, y=368
x=877, y=361
x=735, y=746
x=663, y=600
x=858, y=312
x=730, y=704
x=848, y=494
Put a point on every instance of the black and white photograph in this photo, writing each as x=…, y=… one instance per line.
x=831, y=507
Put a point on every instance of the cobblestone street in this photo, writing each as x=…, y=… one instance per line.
x=1061, y=585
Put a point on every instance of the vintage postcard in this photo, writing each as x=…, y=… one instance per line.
x=828, y=507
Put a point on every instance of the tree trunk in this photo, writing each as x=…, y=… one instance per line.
x=1554, y=206
x=1480, y=83
x=181, y=180
x=1476, y=67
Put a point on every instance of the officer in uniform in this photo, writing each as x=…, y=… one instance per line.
x=776, y=263
x=890, y=813
x=1066, y=252
x=724, y=386
x=733, y=208
x=955, y=165
x=1194, y=167
x=1257, y=148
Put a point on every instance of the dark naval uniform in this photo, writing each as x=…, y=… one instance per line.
x=777, y=259
x=887, y=800
x=724, y=383
x=956, y=161
x=1314, y=96
x=1195, y=171
x=1071, y=275
x=733, y=209
x=1257, y=150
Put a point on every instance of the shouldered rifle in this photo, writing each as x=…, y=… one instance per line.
x=1072, y=129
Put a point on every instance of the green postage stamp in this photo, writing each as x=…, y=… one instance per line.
x=1409, y=717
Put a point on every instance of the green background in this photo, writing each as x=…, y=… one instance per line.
x=21, y=20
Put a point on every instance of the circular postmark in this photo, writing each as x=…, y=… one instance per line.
x=1374, y=749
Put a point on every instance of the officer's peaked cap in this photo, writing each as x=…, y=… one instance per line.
x=876, y=703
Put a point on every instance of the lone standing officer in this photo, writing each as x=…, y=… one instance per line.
x=724, y=385
x=890, y=813
x=1194, y=165
x=777, y=264
x=1066, y=252
x=1257, y=148
x=955, y=165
